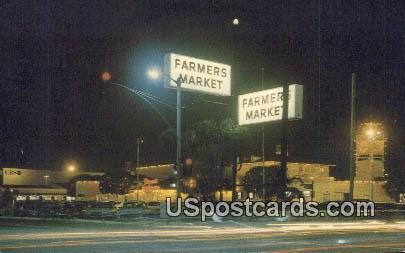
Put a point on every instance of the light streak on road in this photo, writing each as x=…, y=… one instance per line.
x=179, y=231
x=227, y=236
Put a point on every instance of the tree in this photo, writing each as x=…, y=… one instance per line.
x=7, y=198
x=116, y=182
x=253, y=182
x=212, y=145
x=395, y=181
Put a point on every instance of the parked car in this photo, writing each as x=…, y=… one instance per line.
x=52, y=209
x=75, y=208
x=27, y=208
x=152, y=208
x=99, y=209
x=133, y=208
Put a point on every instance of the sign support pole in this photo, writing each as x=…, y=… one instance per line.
x=284, y=141
x=178, y=137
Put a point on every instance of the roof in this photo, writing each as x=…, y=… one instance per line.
x=36, y=189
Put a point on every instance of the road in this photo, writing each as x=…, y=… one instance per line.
x=157, y=235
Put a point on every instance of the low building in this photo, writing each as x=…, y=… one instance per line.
x=316, y=184
x=160, y=172
x=87, y=190
x=38, y=184
x=336, y=190
x=46, y=193
x=306, y=175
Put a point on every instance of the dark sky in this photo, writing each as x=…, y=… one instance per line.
x=55, y=107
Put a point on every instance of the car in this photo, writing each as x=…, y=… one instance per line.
x=152, y=208
x=99, y=209
x=52, y=209
x=74, y=208
x=132, y=208
x=27, y=208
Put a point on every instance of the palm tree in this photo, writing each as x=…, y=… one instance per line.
x=212, y=145
x=252, y=182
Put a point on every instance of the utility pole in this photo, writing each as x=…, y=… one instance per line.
x=263, y=158
x=153, y=74
x=284, y=129
x=352, y=164
x=139, y=141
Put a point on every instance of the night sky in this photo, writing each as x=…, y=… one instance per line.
x=55, y=108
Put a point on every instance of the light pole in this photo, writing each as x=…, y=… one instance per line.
x=284, y=143
x=139, y=141
x=178, y=135
x=152, y=74
x=155, y=74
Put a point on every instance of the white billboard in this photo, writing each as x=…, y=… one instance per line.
x=16, y=176
x=198, y=75
x=267, y=105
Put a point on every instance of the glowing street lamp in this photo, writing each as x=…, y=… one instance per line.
x=71, y=168
x=155, y=73
x=370, y=132
x=105, y=76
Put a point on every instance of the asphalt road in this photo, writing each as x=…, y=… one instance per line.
x=157, y=235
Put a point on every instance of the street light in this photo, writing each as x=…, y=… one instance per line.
x=370, y=132
x=71, y=168
x=155, y=73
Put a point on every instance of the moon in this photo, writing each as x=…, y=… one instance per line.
x=235, y=21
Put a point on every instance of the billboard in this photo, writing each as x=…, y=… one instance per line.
x=267, y=105
x=17, y=176
x=198, y=75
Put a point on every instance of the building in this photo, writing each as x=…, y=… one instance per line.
x=87, y=190
x=338, y=190
x=313, y=180
x=318, y=185
x=151, y=187
x=161, y=171
x=369, y=180
x=38, y=184
x=306, y=174
x=370, y=146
